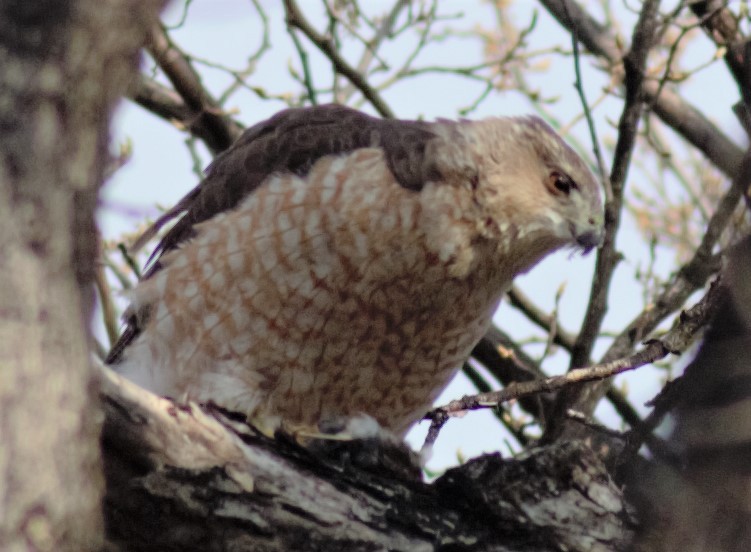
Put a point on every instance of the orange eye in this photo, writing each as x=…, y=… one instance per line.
x=561, y=183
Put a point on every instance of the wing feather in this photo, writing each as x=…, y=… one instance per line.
x=290, y=141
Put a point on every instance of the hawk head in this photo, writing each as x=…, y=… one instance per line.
x=536, y=191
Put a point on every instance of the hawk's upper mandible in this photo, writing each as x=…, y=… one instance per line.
x=332, y=264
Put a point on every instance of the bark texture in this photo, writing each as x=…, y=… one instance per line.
x=696, y=498
x=62, y=71
x=191, y=478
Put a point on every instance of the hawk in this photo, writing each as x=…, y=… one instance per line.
x=333, y=265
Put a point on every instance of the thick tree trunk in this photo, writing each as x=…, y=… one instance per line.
x=191, y=479
x=696, y=497
x=64, y=64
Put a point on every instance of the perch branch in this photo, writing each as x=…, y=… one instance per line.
x=192, y=478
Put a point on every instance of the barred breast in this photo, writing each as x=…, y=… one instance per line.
x=331, y=295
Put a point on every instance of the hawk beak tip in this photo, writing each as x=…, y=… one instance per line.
x=589, y=240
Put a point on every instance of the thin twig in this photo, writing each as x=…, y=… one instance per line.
x=296, y=19
x=642, y=433
x=109, y=312
x=129, y=260
x=503, y=414
x=675, y=341
x=123, y=280
x=690, y=277
x=307, y=77
x=519, y=300
x=187, y=83
x=579, y=85
x=507, y=362
x=608, y=256
x=676, y=112
x=252, y=60
x=562, y=338
x=653, y=351
x=384, y=30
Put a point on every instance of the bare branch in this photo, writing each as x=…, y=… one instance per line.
x=170, y=105
x=503, y=414
x=689, y=278
x=296, y=19
x=654, y=350
x=307, y=75
x=578, y=84
x=643, y=40
x=385, y=29
x=160, y=100
x=187, y=83
x=508, y=363
x=104, y=293
x=677, y=113
x=607, y=256
x=186, y=476
x=722, y=27
x=560, y=336
x=675, y=341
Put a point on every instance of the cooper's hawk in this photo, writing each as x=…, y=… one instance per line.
x=332, y=264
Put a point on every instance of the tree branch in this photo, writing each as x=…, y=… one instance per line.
x=65, y=66
x=169, y=105
x=674, y=111
x=723, y=29
x=384, y=30
x=692, y=125
x=607, y=256
x=635, y=61
x=560, y=337
x=296, y=19
x=696, y=498
x=689, y=278
x=507, y=363
x=191, y=478
x=675, y=341
x=519, y=300
x=221, y=130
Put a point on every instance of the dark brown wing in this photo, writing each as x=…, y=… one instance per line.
x=290, y=141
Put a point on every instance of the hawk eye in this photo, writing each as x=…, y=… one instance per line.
x=561, y=183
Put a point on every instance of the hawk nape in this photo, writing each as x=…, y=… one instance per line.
x=333, y=265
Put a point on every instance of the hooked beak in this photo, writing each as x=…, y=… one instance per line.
x=590, y=239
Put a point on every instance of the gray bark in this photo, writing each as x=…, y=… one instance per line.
x=190, y=478
x=62, y=71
